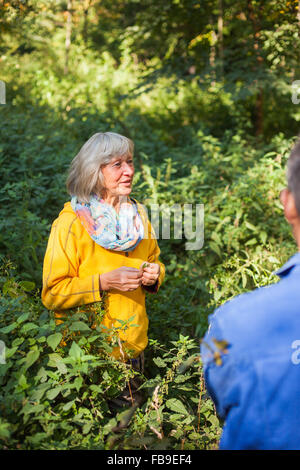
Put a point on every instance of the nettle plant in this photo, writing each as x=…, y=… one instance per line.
x=178, y=413
x=57, y=380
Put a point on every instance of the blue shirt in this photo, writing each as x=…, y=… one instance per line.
x=256, y=389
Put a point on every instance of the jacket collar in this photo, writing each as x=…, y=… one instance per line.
x=291, y=263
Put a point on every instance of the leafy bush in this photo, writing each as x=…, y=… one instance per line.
x=57, y=381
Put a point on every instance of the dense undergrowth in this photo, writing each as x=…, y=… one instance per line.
x=56, y=397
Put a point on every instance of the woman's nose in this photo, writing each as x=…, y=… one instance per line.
x=128, y=169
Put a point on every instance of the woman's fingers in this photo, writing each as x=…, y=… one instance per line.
x=152, y=268
x=123, y=279
x=149, y=278
x=128, y=279
x=150, y=273
x=132, y=272
x=132, y=278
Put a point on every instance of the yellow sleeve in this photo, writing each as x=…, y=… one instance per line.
x=62, y=288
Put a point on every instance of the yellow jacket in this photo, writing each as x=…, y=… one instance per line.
x=72, y=264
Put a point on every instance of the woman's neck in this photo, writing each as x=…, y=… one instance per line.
x=115, y=201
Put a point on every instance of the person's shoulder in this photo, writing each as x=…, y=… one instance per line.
x=67, y=219
x=284, y=292
x=255, y=317
x=245, y=308
x=256, y=298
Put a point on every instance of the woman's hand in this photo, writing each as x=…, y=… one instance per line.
x=124, y=279
x=150, y=272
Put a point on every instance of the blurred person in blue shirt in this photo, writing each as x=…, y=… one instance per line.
x=254, y=379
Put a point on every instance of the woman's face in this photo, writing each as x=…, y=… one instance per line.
x=118, y=176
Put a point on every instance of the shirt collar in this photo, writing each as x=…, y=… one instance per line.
x=291, y=263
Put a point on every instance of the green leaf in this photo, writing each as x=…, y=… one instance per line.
x=4, y=430
x=28, y=286
x=214, y=247
x=41, y=375
x=176, y=405
x=9, y=352
x=159, y=362
x=125, y=416
x=29, y=408
x=55, y=360
x=51, y=394
x=187, y=364
x=37, y=438
x=23, y=317
x=253, y=241
x=263, y=236
x=31, y=358
x=75, y=351
x=176, y=417
x=194, y=436
x=216, y=237
x=39, y=392
x=9, y=328
x=61, y=367
x=109, y=426
x=68, y=405
x=28, y=326
x=86, y=428
x=213, y=420
x=250, y=226
x=54, y=340
x=78, y=383
x=79, y=326
x=23, y=382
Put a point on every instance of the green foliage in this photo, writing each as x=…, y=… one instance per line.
x=204, y=90
x=57, y=380
x=178, y=413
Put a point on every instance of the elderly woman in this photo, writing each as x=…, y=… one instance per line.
x=103, y=241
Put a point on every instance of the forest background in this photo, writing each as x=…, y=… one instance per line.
x=206, y=90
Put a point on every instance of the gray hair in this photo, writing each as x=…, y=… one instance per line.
x=85, y=176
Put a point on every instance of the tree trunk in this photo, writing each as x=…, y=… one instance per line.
x=220, y=36
x=259, y=116
x=68, y=36
x=87, y=5
x=296, y=73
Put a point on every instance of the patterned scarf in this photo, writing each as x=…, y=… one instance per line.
x=121, y=231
